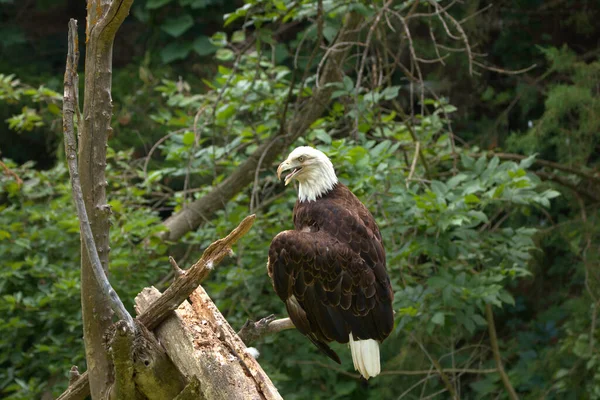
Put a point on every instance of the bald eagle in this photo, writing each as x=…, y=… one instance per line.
x=330, y=271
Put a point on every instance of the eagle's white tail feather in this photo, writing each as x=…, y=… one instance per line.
x=365, y=356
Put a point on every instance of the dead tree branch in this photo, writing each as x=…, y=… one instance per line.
x=187, y=282
x=69, y=108
x=77, y=390
x=252, y=331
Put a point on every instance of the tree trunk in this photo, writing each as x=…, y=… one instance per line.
x=103, y=20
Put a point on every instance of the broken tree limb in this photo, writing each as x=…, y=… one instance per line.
x=77, y=390
x=187, y=282
x=206, y=309
x=200, y=348
x=201, y=210
x=252, y=331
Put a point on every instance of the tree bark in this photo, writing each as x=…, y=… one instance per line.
x=103, y=20
x=203, y=209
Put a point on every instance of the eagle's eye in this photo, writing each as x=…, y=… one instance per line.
x=301, y=158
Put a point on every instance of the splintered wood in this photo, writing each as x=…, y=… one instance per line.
x=201, y=343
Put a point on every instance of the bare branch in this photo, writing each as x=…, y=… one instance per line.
x=496, y=351
x=74, y=375
x=438, y=368
x=252, y=331
x=70, y=96
x=414, y=162
x=504, y=71
x=190, y=279
x=79, y=390
x=8, y=171
x=445, y=370
x=178, y=271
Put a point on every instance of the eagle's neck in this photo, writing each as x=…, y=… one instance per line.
x=317, y=182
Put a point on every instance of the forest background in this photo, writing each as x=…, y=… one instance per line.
x=471, y=130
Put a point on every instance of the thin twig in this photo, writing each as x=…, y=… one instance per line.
x=8, y=171
x=69, y=106
x=444, y=370
x=414, y=162
x=545, y=163
x=438, y=368
x=504, y=71
x=489, y=314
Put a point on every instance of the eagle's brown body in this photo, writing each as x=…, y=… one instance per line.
x=330, y=271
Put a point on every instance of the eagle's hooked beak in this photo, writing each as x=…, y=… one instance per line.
x=286, y=166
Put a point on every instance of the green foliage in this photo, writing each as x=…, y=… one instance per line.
x=39, y=282
x=48, y=103
x=461, y=230
x=568, y=129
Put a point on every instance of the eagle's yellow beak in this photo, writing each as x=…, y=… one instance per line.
x=286, y=166
x=282, y=167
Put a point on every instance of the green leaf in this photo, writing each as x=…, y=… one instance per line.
x=203, y=46
x=238, y=36
x=219, y=39
x=322, y=136
x=478, y=215
x=175, y=51
x=472, y=199
x=438, y=318
x=550, y=194
x=528, y=162
x=54, y=109
x=188, y=138
x=225, y=54
x=177, y=26
x=377, y=150
x=153, y=4
x=479, y=320
x=225, y=112
x=437, y=282
x=456, y=180
x=506, y=297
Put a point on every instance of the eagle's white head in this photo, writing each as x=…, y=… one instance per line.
x=312, y=169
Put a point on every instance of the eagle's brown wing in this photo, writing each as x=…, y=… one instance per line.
x=332, y=285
